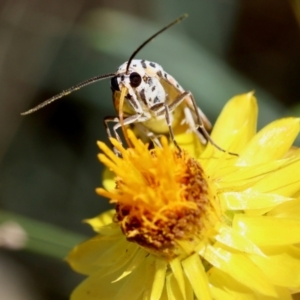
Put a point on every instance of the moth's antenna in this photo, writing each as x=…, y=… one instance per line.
x=151, y=38
x=67, y=92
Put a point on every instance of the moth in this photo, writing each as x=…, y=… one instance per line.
x=147, y=97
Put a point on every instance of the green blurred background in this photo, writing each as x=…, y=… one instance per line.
x=48, y=164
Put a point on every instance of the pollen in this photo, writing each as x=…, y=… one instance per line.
x=162, y=197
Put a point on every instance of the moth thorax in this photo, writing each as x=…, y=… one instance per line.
x=152, y=93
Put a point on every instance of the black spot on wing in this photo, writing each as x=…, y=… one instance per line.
x=143, y=63
x=152, y=64
x=156, y=100
x=143, y=96
x=159, y=73
x=149, y=80
x=128, y=96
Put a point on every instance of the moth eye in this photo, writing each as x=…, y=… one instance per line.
x=135, y=79
x=114, y=84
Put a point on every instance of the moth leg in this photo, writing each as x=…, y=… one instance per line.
x=144, y=131
x=190, y=120
x=199, y=121
x=198, y=112
x=127, y=121
x=201, y=125
x=169, y=123
x=166, y=109
x=130, y=120
x=114, y=120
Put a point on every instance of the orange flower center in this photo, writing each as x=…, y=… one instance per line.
x=161, y=196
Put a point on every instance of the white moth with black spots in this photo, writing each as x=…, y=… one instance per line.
x=150, y=99
x=155, y=101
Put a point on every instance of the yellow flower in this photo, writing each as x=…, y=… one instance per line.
x=200, y=224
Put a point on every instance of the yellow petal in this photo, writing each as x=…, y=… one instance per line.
x=98, y=287
x=179, y=275
x=235, y=126
x=232, y=174
x=103, y=219
x=250, y=200
x=289, y=209
x=227, y=287
x=173, y=290
x=271, y=143
x=108, y=179
x=189, y=293
x=101, y=251
x=134, y=286
x=293, y=151
x=133, y=264
x=291, y=250
x=282, y=270
x=229, y=237
x=188, y=141
x=268, y=230
x=159, y=279
x=164, y=295
x=195, y=272
x=284, y=293
x=240, y=268
x=284, y=181
x=218, y=293
x=149, y=276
